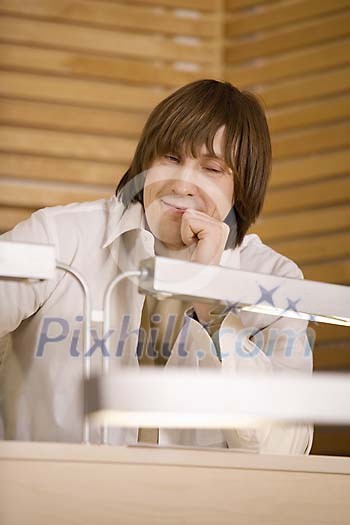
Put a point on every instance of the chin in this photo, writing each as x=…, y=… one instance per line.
x=171, y=238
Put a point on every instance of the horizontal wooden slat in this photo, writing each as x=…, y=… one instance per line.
x=241, y=4
x=312, y=249
x=39, y=195
x=279, y=13
x=89, y=65
x=200, y=5
x=69, y=118
x=287, y=38
x=307, y=169
x=111, y=42
x=68, y=145
x=299, y=224
x=327, y=333
x=304, y=88
x=60, y=170
x=322, y=56
x=316, y=194
x=308, y=114
x=9, y=217
x=334, y=356
x=122, y=16
x=311, y=140
x=337, y=272
x=80, y=92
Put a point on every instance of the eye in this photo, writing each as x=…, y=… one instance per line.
x=214, y=170
x=171, y=157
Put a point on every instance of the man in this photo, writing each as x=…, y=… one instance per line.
x=195, y=185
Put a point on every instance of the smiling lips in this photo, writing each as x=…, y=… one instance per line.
x=176, y=205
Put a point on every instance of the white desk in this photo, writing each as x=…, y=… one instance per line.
x=50, y=483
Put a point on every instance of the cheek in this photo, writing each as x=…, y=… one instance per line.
x=151, y=191
x=158, y=178
x=147, y=195
x=221, y=196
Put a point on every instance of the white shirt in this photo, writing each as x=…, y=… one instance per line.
x=41, y=378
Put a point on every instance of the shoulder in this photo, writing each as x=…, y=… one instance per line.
x=66, y=226
x=255, y=256
x=76, y=209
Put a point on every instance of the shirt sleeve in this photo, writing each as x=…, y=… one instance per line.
x=216, y=316
x=19, y=299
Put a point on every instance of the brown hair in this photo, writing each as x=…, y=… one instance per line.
x=189, y=118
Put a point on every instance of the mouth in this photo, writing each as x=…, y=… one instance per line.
x=173, y=207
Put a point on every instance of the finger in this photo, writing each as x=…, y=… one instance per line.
x=188, y=231
x=195, y=227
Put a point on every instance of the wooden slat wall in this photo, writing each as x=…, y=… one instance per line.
x=293, y=54
x=77, y=81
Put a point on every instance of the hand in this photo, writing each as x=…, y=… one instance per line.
x=207, y=233
x=210, y=236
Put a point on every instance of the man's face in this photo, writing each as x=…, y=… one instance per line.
x=174, y=184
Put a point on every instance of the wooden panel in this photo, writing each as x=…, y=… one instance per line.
x=80, y=92
x=311, y=249
x=67, y=145
x=89, y=65
x=310, y=168
x=306, y=60
x=332, y=357
x=331, y=440
x=36, y=195
x=299, y=224
x=10, y=216
x=311, y=140
x=337, y=272
x=305, y=88
x=279, y=13
x=309, y=114
x=330, y=332
x=201, y=5
x=123, y=16
x=316, y=194
x=241, y=4
x=306, y=490
x=69, y=118
x=112, y=42
x=289, y=37
x=61, y=170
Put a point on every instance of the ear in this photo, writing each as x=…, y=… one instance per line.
x=231, y=221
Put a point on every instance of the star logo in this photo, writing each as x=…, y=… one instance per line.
x=231, y=307
x=292, y=304
x=266, y=295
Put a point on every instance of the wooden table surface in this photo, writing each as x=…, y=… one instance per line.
x=56, y=483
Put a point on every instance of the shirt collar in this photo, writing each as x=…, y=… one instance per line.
x=121, y=220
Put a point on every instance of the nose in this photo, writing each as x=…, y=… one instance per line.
x=182, y=182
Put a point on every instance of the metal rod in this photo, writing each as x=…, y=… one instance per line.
x=106, y=325
x=86, y=340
